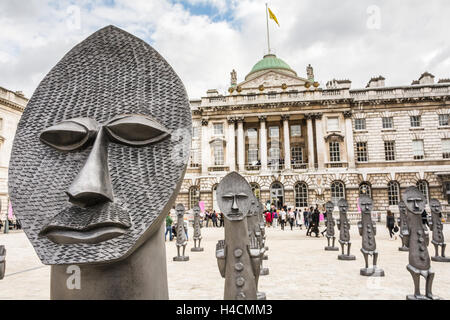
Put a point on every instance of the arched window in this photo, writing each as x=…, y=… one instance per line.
x=301, y=195
x=256, y=190
x=194, y=196
x=422, y=185
x=393, y=193
x=337, y=191
x=365, y=189
x=277, y=194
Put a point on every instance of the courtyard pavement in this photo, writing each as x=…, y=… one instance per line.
x=299, y=269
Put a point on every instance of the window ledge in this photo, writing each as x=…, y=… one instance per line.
x=416, y=128
x=361, y=131
x=444, y=127
x=388, y=130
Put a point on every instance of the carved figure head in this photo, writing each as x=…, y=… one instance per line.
x=343, y=206
x=402, y=207
x=435, y=206
x=254, y=207
x=414, y=200
x=329, y=207
x=196, y=211
x=366, y=204
x=179, y=209
x=100, y=151
x=234, y=196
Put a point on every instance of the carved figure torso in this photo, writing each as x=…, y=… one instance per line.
x=404, y=229
x=239, y=275
x=418, y=252
x=344, y=234
x=253, y=226
x=330, y=225
x=368, y=233
x=438, y=235
x=181, y=236
x=197, y=231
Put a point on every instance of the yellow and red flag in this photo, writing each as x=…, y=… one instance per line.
x=272, y=16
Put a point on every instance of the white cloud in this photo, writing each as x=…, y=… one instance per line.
x=332, y=36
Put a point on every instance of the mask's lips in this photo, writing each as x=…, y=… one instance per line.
x=87, y=225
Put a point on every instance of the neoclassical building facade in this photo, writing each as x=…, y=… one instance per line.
x=12, y=105
x=299, y=144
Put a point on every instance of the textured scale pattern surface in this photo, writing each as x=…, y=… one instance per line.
x=110, y=73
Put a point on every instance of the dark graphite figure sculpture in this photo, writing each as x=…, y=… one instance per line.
x=181, y=235
x=329, y=207
x=344, y=228
x=197, y=230
x=404, y=229
x=2, y=262
x=254, y=232
x=438, y=235
x=419, y=259
x=262, y=225
x=97, y=161
x=368, y=230
x=238, y=256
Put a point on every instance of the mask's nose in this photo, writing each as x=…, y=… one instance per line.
x=92, y=185
x=234, y=207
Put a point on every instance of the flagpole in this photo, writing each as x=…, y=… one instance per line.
x=267, y=24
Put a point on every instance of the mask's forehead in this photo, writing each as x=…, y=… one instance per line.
x=110, y=73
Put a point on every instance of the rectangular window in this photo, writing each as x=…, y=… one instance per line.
x=297, y=155
x=443, y=120
x=417, y=148
x=335, y=153
x=361, y=152
x=388, y=123
x=272, y=95
x=296, y=130
x=195, y=158
x=251, y=97
x=293, y=94
x=252, y=156
x=218, y=129
x=274, y=132
x=333, y=124
x=195, y=132
x=415, y=121
x=389, y=150
x=360, y=124
x=218, y=154
x=446, y=148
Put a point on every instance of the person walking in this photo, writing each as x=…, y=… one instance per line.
x=274, y=218
x=390, y=223
x=291, y=218
x=305, y=218
x=315, y=220
x=268, y=215
x=283, y=218
x=425, y=218
x=169, y=222
x=207, y=218
x=214, y=218
x=221, y=219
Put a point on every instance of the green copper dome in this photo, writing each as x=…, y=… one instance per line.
x=270, y=61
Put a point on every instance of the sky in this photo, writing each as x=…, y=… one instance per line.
x=203, y=40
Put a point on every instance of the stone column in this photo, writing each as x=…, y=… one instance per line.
x=320, y=142
x=349, y=139
x=287, y=142
x=206, y=151
x=310, y=141
x=241, y=144
x=231, y=145
x=263, y=142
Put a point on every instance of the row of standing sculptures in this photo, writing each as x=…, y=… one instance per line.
x=413, y=233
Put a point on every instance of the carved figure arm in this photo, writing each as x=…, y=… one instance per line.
x=221, y=254
x=256, y=254
x=374, y=228
x=430, y=222
x=360, y=227
x=338, y=224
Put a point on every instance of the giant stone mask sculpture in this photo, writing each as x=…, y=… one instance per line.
x=100, y=151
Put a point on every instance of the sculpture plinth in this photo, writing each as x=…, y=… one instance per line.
x=344, y=231
x=368, y=230
x=197, y=230
x=238, y=256
x=97, y=162
x=438, y=234
x=419, y=259
x=404, y=229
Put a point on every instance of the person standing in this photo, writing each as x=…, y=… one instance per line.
x=390, y=223
x=315, y=220
x=169, y=222
x=268, y=218
x=214, y=218
x=221, y=219
x=207, y=218
x=305, y=218
x=282, y=218
x=274, y=218
x=291, y=218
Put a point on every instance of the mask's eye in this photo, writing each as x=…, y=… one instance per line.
x=136, y=130
x=67, y=135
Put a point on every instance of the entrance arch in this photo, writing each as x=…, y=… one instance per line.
x=277, y=194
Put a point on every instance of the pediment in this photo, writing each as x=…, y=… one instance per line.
x=272, y=78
